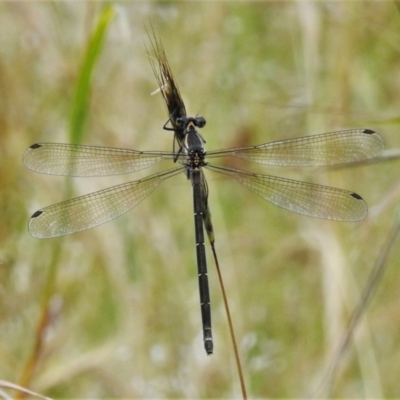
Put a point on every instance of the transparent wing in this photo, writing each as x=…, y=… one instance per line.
x=304, y=198
x=93, y=209
x=317, y=150
x=78, y=160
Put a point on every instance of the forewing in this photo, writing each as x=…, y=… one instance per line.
x=78, y=160
x=317, y=150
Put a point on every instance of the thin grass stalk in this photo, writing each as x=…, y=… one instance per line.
x=374, y=279
x=230, y=324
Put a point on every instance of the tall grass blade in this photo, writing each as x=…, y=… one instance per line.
x=78, y=116
x=80, y=102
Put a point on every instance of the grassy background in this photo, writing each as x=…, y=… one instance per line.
x=123, y=317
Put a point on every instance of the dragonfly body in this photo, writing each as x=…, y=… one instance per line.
x=189, y=156
x=193, y=149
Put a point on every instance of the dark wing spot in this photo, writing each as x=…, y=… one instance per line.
x=37, y=213
x=356, y=196
x=35, y=146
x=368, y=131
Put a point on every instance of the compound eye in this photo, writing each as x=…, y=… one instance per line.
x=200, y=122
x=179, y=121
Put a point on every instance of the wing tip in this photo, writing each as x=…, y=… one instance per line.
x=357, y=196
x=368, y=131
x=37, y=214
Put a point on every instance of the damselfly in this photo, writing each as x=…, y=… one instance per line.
x=190, y=158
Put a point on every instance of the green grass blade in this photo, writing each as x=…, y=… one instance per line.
x=79, y=109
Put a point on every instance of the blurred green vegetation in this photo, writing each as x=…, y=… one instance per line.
x=123, y=319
